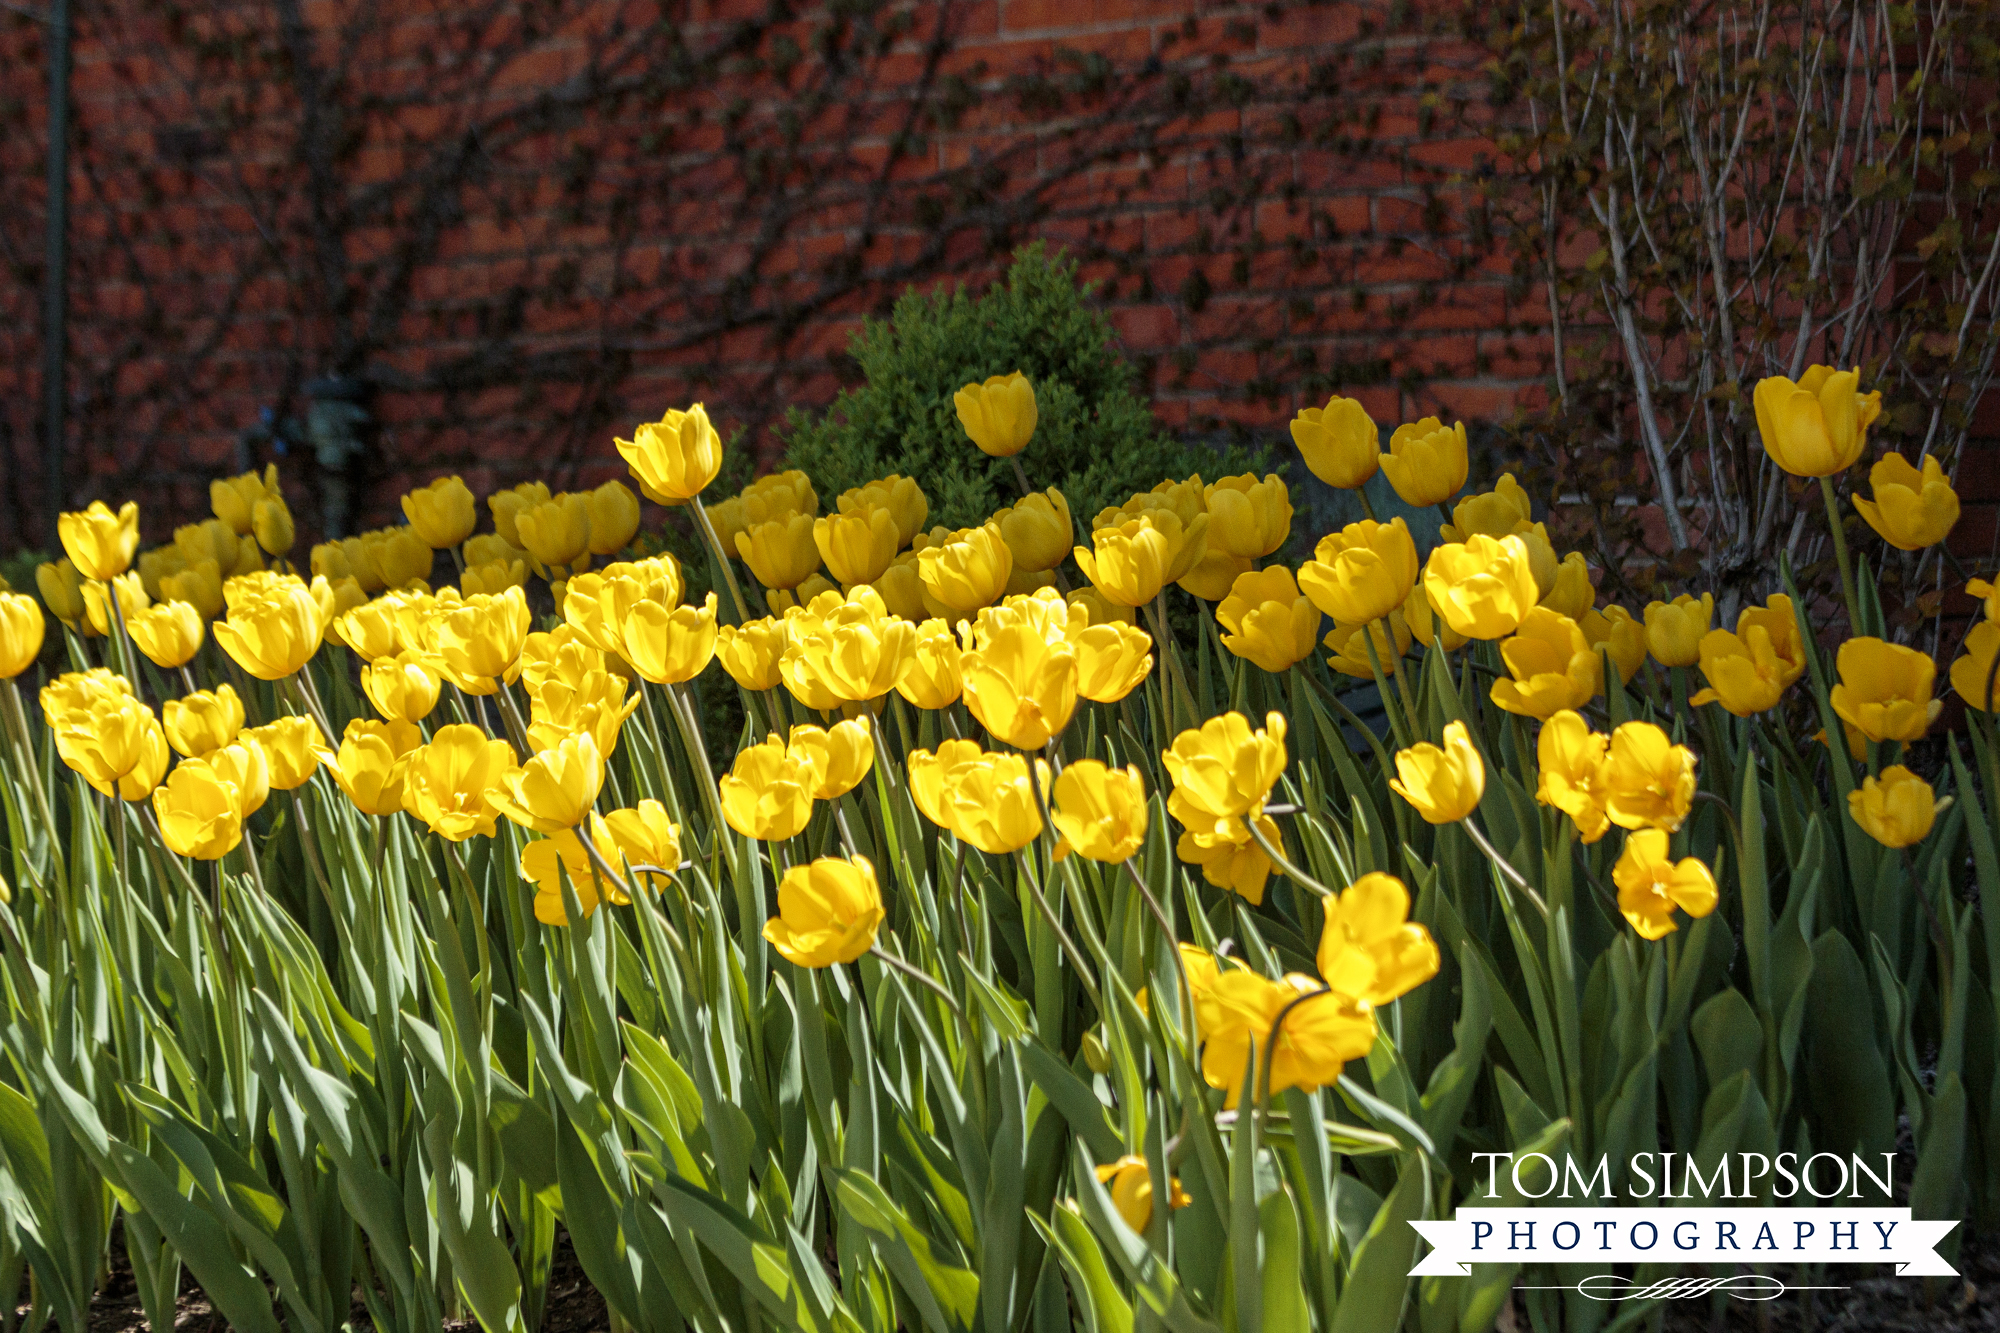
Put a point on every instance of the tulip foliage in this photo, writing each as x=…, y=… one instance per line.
x=1017, y=963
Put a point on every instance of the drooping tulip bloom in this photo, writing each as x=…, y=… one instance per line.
x=1911, y=509
x=1651, y=884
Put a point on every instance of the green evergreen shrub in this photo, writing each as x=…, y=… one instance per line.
x=1097, y=439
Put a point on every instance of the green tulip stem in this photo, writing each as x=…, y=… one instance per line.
x=1284, y=863
x=923, y=978
x=1180, y=964
x=1270, y=1058
x=1396, y=722
x=1361, y=494
x=1840, y=556
x=714, y=541
x=1506, y=867
x=1156, y=612
x=1019, y=476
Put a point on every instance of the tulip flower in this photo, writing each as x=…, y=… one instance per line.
x=1651, y=885
x=675, y=457
x=1222, y=773
x=1423, y=623
x=927, y=771
x=556, y=788
x=98, y=542
x=402, y=687
x=1571, y=593
x=593, y=702
x=1615, y=630
x=1553, y=666
x=401, y=555
x=1426, y=462
x=857, y=545
x=1369, y=949
x=442, y=513
x=600, y=603
x=1349, y=645
x=1744, y=672
x=493, y=578
x=767, y=793
x=1020, y=685
x=1884, y=690
x=273, y=628
x=1000, y=415
x=933, y=675
x=369, y=764
x=1361, y=573
x=1038, y=530
x=234, y=499
x=21, y=632
x=1214, y=574
x=1674, y=629
x=901, y=588
x=1897, y=809
x=1443, y=784
x=839, y=756
x=769, y=499
x=614, y=517
x=203, y=721
x=548, y=863
x=450, y=783
x=168, y=633
x=293, y=750
x=157, y=564
x=1111, y=659
x=115, y=743
x=478, y=639
x=828, y=912
x=966, y=571
x=902, y=497
x=211, y=539
x=271, y=524
x=1248, y=517
x=1129, y=1181
x=1483, y=587
x=1647, y=781
x=1340, y=442
x=198, y=812
x=1571, y=759
x=750, y=652
x=556, y=532
x=1818, y=426
x=1319, y=1036
x=61, y=587
x=1268, y=620
x=1504, y=510
x=989, y=801
x=1911, y=509
x=97, y=597
x=1129, y=564
x=1972, y=674
x=199, y=585
x=669, y=646
x=81, y=692
x=506, y=506
x=243, y=765
x=642, y=836
x=844, y=650
x=780, y=553
x=1100, y=812
x=373, y=629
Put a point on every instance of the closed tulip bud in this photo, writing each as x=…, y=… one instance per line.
x=271, y=524
x=1911, y=509
x=198, y=812
x=1572, y=593
x=1100, y=812
x=1615, y=630
x=1542, y=559
x=614, y=517
x=1389, y=638
x=1215, y=574
x=490, y=547
x=1674, y=629
x=642, y=836
x=1884, y=691
x=203, y=721
x=1553, y=666
x=61, y=587
x=243, y=766
x=1818, y=426
x=1647, y=781
x=999, y=415
x=157, y=564
x=168, y=633
x=1248, y=517
x=1111, y=659
x=1426, y=462
x=442, y=513
x=1129, y=563
x=675, y=457
x=450, y=783
x=507, y=507
x=991, y=802
x=857, y=545
x=1340, y=442
x=556, y=788
x=293, y=750
x=401, y=686
x=97, y=597
x=927, y=778
x=1369, y=949
x=844, y=650
x=1268, y=621
x=479, y=639
x=840, y=756
x=234, y=499
x=97, y=541
x=1443, y=784
x=1363, y=572
x=21, y=631
x=369, y=764
x=211, y=539
x=1499, y=512
x=1038, y=530
x=828, y=912
x=966, y=571
x=1571, y=759
x=274, y=630
x=750, y=652
x=668, y=645
x=1129, y=1181
x=932, y=677
x=782, y=552
x=901, y=496
x=1482, y=587
x=767, y=793
x=199, y=585
x=1651, y=884
x=1320, y=1034
x=557, y=531
x=1897, y=810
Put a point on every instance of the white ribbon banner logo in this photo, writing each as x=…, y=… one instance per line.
x=1683, y=1236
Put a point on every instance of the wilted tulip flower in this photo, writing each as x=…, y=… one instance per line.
x=203, y=721
x=1361, y=573
x=1340, y=442
x=1369, y=949
x=1884, y=690
x=21, y=633
x=675, y=457
x=1427, y=461
x=442, y=513
x=1911, y=509
x=1099, y=811
x=828, y=912
x=1897, y=810
x=1000, y=415
x=1443, y=784
x=1268, y=620
x=1818, y=426
x=1483, y=587
x=97, y=541
x=1553, y=666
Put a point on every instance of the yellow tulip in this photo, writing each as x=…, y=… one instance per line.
x=506, y=506
x=1100, y=812
x=781, y=600
x=1130, y=1183
x=234, y=499
x=1911, y=509
x=168, y=633
x=243, y=765
x=1222, y=773
x=840, y=756
x=1972, y=674
x=1818, y=426
x=594, y=702
x=989, y=801
x=1214, y=574
x=1369, y=949
x=1000, y=415
x=1363, y=572
x=933, y=676
x=1504, y=510
x=767, y=793
x=675, y=457
x=1340, y=442
x=858, y=544
x=1020, y=684
x=211, y=539
x=1038, y=530
x=782, y=552
x=271, y=524
x=844, y=650
x=1614, y=629
x=61, y=587
x=1098, y=611
x=927, y=777
x=97, y=597
x=113, y=742
x=750, y=652
x=1425, y=625
x=373, y=629
x=450, y=783
x=1571, y=594
x=1744, y=672
x=1442, y=783
x=203, y=721
x=332, y=560
x=1349, y=645
x=556, y=788
x=1111, y=658
x=1483, y=587
x=402, y=687
x=399, y=555
x=97, y=541
x=21, y=633
x=1674, y=630
x=1571, y=759
x=1129, y=563
x=293, y=749
x=1553, y=666
x=1248, y=517
x=81, y=692
x=1651, y=884
x=668, y=646
x=774, y=496
x=828, y=912
x=614, y=517
x=1426, y=462
x=274, y=627
x=492, y=577
x=600, y=603
x=642, y=836
x=1896, y=810
x=966, y=571
x=548, y=862
x=157, y=564
x=557, y=531
x=1268, y=620
x=1647, y=781
x=369, y=764
x=901, y=587
x=478, y=639
x=199, y=585
x=442, y=513
x=901, y=496
x=1236, y=1012
x=1884, y=690
x=198, y=812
